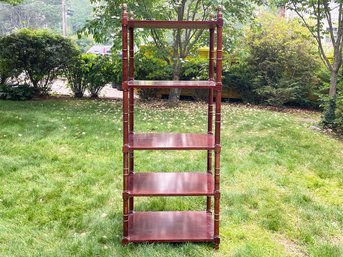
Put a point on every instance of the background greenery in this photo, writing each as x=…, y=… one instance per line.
x=45, y=14
x=61, y=180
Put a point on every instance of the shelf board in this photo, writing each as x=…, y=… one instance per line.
x=170, y=184
x=171, y=141
x=168, y=226
x=158, y=24
x=171, y=84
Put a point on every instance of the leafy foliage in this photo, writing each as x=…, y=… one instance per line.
x=40, y=14
x=91, y=72
x=149, y=66
x=195, y=68
x=107, y=17
x=76, y=72
x=17, y=92
x=37, y=55
x=99, y=72
x=280, y=64
x=106, y=24
x=324, y=18
x=5, y=70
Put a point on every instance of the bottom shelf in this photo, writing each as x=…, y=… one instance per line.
x=171, y=226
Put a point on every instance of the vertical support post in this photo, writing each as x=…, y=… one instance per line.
x=210, y=104
x=125, y=126
x=131, y=105
x=217, y=127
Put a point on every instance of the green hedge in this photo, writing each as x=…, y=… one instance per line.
x=34, y=57
x=17, y=92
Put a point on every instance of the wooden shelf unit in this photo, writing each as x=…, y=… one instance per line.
x=171, y=226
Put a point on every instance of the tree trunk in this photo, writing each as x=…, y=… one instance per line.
x=329, y=116
x=174, y=94
x=333, y=83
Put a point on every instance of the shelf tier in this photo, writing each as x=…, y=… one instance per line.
x=153, y=24
x=171, y=141
x=170, y=184
x=169, y=226
x=171, y=84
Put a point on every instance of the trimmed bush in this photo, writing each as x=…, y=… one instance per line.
x=36, y=57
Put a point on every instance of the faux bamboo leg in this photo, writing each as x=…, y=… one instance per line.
x=125, y=201
x=125, y=127
x=131, y=106
x=217, y=129
x=210, y=106
x=131, y=171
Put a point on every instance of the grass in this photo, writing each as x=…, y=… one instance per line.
x=61, y=180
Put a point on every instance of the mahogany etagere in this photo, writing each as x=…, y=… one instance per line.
x=171, y=226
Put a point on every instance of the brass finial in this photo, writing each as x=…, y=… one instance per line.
x=211, y=16
x=132, y=15
x=124, y=7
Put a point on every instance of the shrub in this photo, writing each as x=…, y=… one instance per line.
x=17, y=92
x=5, y=70
x=325, y=101
x=76, y=73
x=36, y=56
x=339, y=112
x=195, y=68
x=91, y=72
x=99, y=72
x=281, y=63
x=150, y=66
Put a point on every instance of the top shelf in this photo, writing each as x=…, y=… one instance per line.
x=153, y=24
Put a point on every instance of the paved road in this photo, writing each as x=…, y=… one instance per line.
x=59, y=87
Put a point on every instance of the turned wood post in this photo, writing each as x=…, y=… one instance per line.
x=210, y=103
x=131, y=104
x=125, y=125
x=217, y=127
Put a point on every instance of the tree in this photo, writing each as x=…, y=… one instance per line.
x=106, y=25
x=34, y=14
x=314, y=15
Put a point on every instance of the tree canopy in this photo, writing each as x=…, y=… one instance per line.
x=176, y=45
x=324, y=17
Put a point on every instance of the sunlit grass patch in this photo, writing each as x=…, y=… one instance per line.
x=61, y=180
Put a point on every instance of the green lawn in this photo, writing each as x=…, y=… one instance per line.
x=61, y=180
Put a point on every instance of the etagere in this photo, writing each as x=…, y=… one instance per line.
x=171, y=226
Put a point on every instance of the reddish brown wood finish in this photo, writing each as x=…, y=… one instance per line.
x=210, y=108
x=125, y=124
x=171, y=84
x=179, y=226
x=171, y=141
x=131, y=107
x=172, y=24
x=217, y=128
x=171, y=226
x=170, y=184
